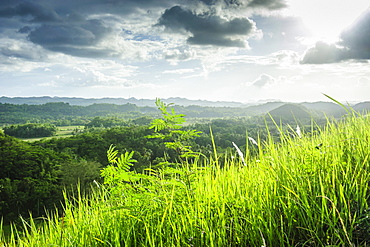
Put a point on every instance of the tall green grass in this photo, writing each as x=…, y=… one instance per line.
x=312, y=190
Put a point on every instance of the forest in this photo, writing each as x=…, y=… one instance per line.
x=34, y=174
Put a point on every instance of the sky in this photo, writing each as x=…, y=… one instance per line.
x=218, y=50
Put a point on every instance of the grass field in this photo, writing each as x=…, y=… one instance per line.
x=63, y=131
x=308, y=190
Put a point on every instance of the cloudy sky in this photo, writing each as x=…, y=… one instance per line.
x=234, y=50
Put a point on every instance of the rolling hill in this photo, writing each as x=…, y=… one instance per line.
x=290, y=112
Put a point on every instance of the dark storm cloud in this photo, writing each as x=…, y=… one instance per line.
x=25, y=29
x=117, y=7
x=323, y=53
x=70, y=33
x=62, y=35
x=206, y=29
x=54, y=25
x=357, y=37
x=268, y=4
x=74, y=38
x=38, y=12
x=354, y=44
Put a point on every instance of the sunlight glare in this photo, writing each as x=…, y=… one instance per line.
x=326, y=19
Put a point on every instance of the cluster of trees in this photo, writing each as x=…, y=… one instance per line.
x=32, y=177
x=92, y=145
x=106, y=122
x=28, y=177
x=30, y=130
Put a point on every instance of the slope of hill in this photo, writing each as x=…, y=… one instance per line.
x=325, y=108
x=290, y=112
x=266, y=107
x=363, y=106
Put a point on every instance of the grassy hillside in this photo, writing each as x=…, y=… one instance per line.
x=325, y=108
x=309, y=190
x=290, y=112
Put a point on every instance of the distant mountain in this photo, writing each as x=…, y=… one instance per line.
x=325, y=108
x=363, y=106
x=265, y=108
x=254, y=108
x=74, y=101
x=117, y=101
x=187, y=102
x=290, y=112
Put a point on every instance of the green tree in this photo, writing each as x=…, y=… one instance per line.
x=170, y=129
x=29, y=178
x=30, y=130
x=79, y=172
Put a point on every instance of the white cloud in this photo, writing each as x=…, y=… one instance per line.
x=363, y=81
x=179, y=71
x=324, y=53
x=175, y=55
x=263, y=80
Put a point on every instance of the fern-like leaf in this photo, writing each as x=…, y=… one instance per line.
x=125, y=161
x=112, y=155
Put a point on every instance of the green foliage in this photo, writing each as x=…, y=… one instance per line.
x=169, y=128
x=307, y=189
x=63, y=114
x=79, y=172
x=30, y=130
x=29, y=178
x=105, y=122
x=117, y=173
x=91, y=146
x=311, y=190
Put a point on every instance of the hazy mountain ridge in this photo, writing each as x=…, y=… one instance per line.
x=266, y=107
x=118, y=101
x=257, y=108
x=362, y=106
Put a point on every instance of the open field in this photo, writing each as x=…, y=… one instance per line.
x=63, y=131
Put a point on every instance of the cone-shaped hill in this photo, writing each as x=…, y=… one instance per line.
x=363, y=106
x=290, y=112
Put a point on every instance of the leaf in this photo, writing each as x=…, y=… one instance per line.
x=125, y=161
x=336, y=101
x=158, y=125
x=172, y=123
x=112, y=154
x=158, y=135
